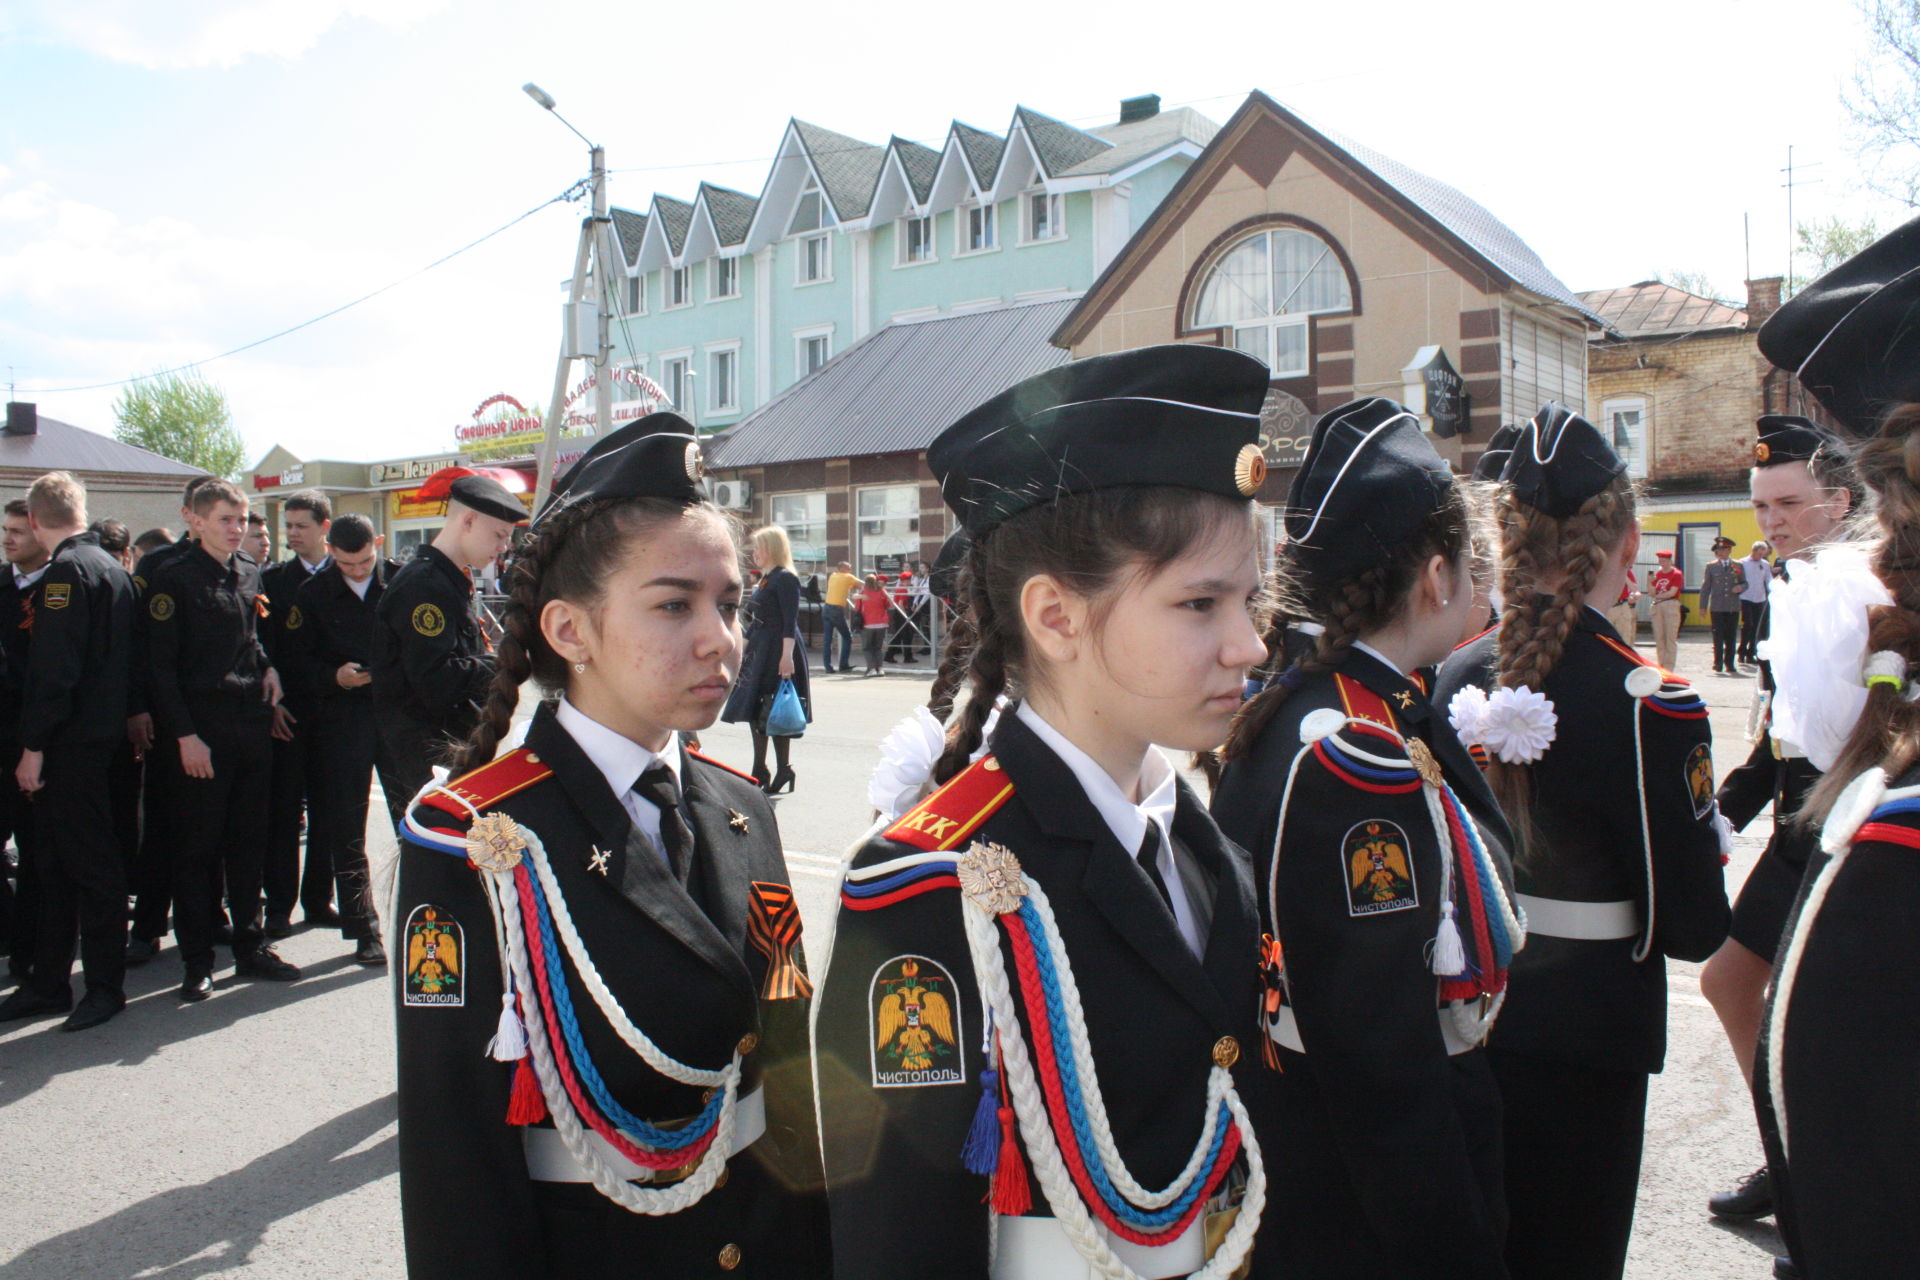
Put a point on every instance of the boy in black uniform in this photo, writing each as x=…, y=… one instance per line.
x=306, y=515
x=26, y=562
x=430, y=662
x=213, y=696
x=327, y=647
x=73, y=716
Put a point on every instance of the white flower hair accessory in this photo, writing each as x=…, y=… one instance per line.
x=1467, y=713
x=1817, y=643
x=907, y=756
x=1518, y=725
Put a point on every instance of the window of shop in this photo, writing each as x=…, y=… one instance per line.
x=916, y=240
x=804, y=517
x=976, y=229
x=634, y=303
x=679, y=286
x=1043, y=217
x=887, y=529
x=1625, y=422
x=675, y=381
x=723, y=382
x=815, y=262
x=723, y=278
x=1264, y=288
x=1696, y=553
x=811, y=349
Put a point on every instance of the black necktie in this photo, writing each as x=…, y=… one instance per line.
x=1149, y=860
x=656, y=788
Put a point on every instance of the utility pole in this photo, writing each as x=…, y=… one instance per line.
x=604, y=295
x=1793, y=228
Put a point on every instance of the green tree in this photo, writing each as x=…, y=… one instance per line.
x=1825, y=245
x=1884, y=102
x=181, y=416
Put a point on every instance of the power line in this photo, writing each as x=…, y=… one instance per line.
x=570, y=193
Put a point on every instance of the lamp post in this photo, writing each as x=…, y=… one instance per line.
x=596, y=241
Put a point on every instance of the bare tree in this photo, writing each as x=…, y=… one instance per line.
x=1693, y=282
x=1884, y=102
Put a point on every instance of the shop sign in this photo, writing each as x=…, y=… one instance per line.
x=408, y=469
x=645, y=396
x=1432, y=386
x=1286, y=429
x=293, y=475
x=516, y=426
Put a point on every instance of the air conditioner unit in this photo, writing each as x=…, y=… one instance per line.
x=732, y=494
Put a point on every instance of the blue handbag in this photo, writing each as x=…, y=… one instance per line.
x=786, y=718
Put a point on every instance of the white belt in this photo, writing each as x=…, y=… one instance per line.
x=1585, y=921
x=548, y=1159
x=1040, y=1249
x=1285, y=1032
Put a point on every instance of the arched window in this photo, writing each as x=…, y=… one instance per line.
x=1264, y=288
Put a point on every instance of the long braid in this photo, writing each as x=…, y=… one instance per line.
x=513, y=663
x=1351, y=609
x=954, y=654
x=987, y=665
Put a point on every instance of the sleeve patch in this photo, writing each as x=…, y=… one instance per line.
x=435, y=942
x=914, y=1011
x=429, y=621
x=58, y=595
x=1378, y=860
x=295, y=619
x=160, y=607
x=1700, y=779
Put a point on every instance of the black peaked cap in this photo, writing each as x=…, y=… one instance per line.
x=487, y=496
x=1785, y=437
x=1499, y=449
x=1559, y=461
x=944, y=580
x=657, y=456
x=1370, y=480
x=1170, y=415
x=1853, y=335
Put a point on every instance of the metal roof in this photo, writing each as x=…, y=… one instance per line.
x=897, y=388
x=1652, y=309
x=61, y=446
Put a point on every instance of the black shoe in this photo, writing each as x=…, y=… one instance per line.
x=278, y=927
x=1786, y=1269
x=324, y=918
x=781, y=783
x=28, y=1003
x=141, y=950
x=198, y=985
x=94, y=1008
x=1753, y=1198
x=263, y=963
x=370, y=953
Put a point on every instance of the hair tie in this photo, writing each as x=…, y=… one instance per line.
x=1885, y=666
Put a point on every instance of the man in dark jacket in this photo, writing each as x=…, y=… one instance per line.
x=73, y=716
x=305, y=516
x=26, y=563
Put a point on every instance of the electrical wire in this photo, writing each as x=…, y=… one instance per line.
x=571, y=193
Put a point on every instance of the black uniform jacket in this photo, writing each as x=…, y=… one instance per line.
x=16, y=639
x=902, y=1202
x=686, y=973
x=144, y=572
x=327, y=626
x=203, y=639
x=1580, y=1000
x=1850, y=1053
x=1387, y=1151
x=81, y=662
x=430, y=663
x=280, y=583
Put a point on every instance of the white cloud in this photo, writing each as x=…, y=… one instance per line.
x=206, y=33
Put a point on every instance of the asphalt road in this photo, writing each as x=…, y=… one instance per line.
x=255, y=1132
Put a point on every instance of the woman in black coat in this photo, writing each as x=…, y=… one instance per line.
x=775, y=652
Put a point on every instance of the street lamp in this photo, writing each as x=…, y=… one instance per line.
x=596, y=241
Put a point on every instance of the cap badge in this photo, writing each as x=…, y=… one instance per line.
x=1250, y=470
x=696, y=463
x=1761, y=452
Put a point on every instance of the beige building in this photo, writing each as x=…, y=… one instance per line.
x=124, y=482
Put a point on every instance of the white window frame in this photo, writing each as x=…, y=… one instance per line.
x=821, y=223
x=682, y=274
x=633, y=298
x=801, y=337
x=1056, y=216
x=715, y=267
x=713, y=354
x=775, y=516
x=963, y=228
x=800, y=246
x=858, y=538
x=682, y=356
x=929, y=246
x=1636, y=458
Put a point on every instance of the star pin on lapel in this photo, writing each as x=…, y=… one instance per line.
x=737, y=820
x=598, y=862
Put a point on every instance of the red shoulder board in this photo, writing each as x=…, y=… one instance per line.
x=491, y=783
x=1472, y=639
x=956, y=810
x=721, y=764
x=1362, y=703
x=1634, y=656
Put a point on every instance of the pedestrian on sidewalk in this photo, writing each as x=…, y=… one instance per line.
x=875, y=604
x=1668, y=611
x=1758, y=574
x=841, y=583
x=1720, y=588
x=775, y=653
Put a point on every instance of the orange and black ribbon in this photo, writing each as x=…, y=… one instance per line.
x=1273, y=982
x=773, y=925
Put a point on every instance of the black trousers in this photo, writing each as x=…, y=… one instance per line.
x=348, y=750
x=221, y=826
x=18, y=898
x=1573, y=1140
x=1726, y=638
x=1750, y=628
x=295, y=780
x=151, y=866
x=82, y=874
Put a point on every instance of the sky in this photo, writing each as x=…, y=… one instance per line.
x=183, y=177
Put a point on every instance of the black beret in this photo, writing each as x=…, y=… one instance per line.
x=1499, y=449
x=1785, y=437
x=487, y=496
x=1370, y=479
x=1178, y=415
x=944, y=581
x=1559, y=461
x=1853, y=335
x=657, y=456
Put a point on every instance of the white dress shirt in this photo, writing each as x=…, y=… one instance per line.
x=1379, y=657
x=621, y=761
x=1129, y=821
x=23, y=582
x=358, y=588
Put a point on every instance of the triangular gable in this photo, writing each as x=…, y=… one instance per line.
x=847, y=168
x=982, y=152
x=1057, y=145
x=631, y=228
x=906, y=180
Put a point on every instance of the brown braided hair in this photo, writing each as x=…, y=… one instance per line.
x=955, y=651
x=1090, y=542
x=1887, y=733
x=1534, y=626
x=1346, y=610
x=569, y=556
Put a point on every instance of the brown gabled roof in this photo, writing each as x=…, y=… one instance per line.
x=1651, y=309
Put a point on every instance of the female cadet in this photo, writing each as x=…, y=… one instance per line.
x=1379, y=859
x=1618, y=860
x=601, y=1004
x=775, y=652
x=1030, y=1037
x=1841, y=1047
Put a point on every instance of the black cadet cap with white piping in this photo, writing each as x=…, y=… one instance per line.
x=1560, y=461
x=1499, y=449
x=657, y=456
x=1788, y=438
x=1370, y=480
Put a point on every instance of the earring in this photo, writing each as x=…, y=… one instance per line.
x=1445, y=603
x=580, y=667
